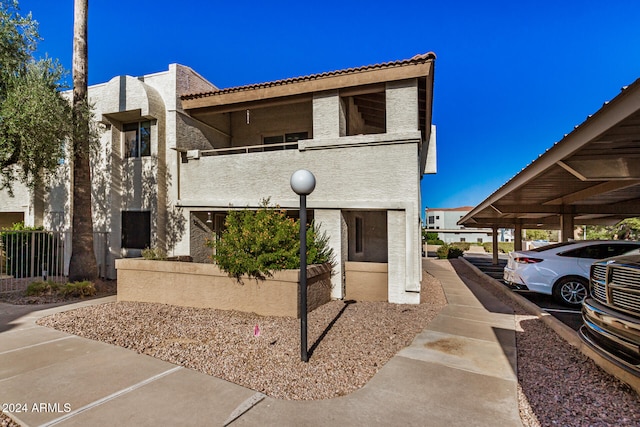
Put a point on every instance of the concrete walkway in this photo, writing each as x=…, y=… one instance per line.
x=460, y=371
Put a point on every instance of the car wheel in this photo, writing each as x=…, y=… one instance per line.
x=571, y=291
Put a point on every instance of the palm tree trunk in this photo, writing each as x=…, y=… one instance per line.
x=83, y=261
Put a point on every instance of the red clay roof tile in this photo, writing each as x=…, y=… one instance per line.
x=420, y=58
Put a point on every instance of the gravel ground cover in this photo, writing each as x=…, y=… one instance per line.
x=5, y=421
x=348, y=341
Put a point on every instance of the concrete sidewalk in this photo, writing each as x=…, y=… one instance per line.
x=460, y=371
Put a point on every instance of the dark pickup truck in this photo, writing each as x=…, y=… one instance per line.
x=611, y=312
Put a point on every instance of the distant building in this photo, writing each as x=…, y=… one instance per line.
x=444, y=221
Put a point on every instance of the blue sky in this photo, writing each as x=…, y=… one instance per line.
x=512, y=77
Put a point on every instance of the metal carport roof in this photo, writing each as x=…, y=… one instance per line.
x=591, y=176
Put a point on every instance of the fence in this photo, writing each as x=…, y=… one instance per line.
x=27, y=256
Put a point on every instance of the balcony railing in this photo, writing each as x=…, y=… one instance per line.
x=250, y=149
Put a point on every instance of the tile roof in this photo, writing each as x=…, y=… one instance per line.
x=417, y=59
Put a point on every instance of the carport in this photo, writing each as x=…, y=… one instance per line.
x=590, y=177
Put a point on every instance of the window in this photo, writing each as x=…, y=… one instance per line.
x=363, y=114
x=431, y=220
x=437, y=216
x=286, y=138
x=136, y=229
x=359, y=234
x=137, y=139
x=599, y=251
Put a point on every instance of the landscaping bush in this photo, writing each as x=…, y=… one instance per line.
x=78, y=289
x=257, y=242
x=447, y=251
x=74, y=289
x=503, y=247
x=155, y=254
x=435, y=242
x=42, y=288
x=464, y=246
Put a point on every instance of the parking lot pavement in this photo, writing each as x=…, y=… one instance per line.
x=567, y=315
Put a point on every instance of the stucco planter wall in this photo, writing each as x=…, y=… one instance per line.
x=366, y=281
x=205, y=285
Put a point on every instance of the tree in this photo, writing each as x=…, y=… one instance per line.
x=599, y=232
x=34, y=116
x=627, y=229
x=535, y=234
x=83, y=264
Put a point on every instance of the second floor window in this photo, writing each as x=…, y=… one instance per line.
x=137, y=139
x=281, y=139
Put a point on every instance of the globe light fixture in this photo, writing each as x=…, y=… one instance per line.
x=303, y=182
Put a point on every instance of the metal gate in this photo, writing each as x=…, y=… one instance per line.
x=27, y=256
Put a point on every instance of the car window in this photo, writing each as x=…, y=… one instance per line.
x=584, y=252
x=552, y=246
x=619, y=249
x=599, y=251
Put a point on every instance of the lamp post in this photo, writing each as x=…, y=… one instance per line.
x=303, y=183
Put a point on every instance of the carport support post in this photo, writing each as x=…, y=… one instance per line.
x=494, y=236
x=566, y=227
x=517, y=236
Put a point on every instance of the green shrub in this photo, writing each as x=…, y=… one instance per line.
x=455, y=252
x=258, y=242
x=75, y=289
x=503, y=247
x=42, y=288
x=78, y=289
x=435, y=242
x=155, y=254
x=447, y=251
x=464, y=246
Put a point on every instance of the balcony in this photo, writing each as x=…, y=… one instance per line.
x=361, y=169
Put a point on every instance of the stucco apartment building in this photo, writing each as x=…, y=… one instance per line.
x=444, y=221
x=176, y=154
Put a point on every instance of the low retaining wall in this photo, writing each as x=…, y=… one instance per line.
x=366, y=281
x=206, y=286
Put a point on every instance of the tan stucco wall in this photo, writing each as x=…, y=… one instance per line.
x=366, y=281
x=205, y=285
